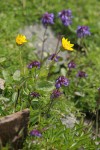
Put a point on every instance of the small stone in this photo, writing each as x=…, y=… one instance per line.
x=69, y=121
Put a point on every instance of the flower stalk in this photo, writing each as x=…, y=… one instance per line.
x=49, y=107
x=44, y=39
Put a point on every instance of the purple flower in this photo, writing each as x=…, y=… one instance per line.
x=83, y=31
x=48, y=19
x=35, y=133
x=66, y=17
x=35, y=94
x=61, y=81
x=81, y=74
x=71, y=64
x=34, y=64
x=55, y=94
x=54, y=57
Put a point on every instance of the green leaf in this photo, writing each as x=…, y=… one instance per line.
x=2, y=82
x=35, y=100
x=14, y=96
x=63, y=71
x=16, y=75
x=5, y=75
x=44, y=72
x=45, y=85
x=4, y=99
x=79, y=94
x=2, y=59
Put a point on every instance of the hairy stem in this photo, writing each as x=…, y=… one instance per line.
x=49, y=107
x=44, y=39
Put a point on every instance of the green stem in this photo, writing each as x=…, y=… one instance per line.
x=57, y=44
x=44, y=39
x=24, y=3
x=83, y=44
x=52, y=62
x=35, y=78
x=21, y=61
x=16, y=102
x=97, y=120
x=18, y=92
x=48, y=110
x=20, y=57
x=71, y=29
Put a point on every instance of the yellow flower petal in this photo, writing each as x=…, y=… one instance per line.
x=67, y=45
x=21, y=39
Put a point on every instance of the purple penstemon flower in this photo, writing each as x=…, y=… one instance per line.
x=55, y=94
x=81, y=74
x=61, y=81
x=54, y=57
x=66, y=17
x=35, y=133
x=82, y=31
x=35, y=94
x=71, y=64
x=34, y=64
x=48, y=19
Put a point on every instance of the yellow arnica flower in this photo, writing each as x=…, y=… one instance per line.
x=21, y=39
x=67, y=45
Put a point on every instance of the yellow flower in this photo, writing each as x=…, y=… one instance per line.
x=21, y=39
x=67, y=45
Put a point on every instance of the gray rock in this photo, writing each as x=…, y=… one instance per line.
x=69, y=121
x=36, y=32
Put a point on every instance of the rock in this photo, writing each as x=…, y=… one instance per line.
x=37, y=31
x=13, y=129
x=69, y=120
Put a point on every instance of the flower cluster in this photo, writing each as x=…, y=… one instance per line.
x=82, y=31
x=71, y=64
x=55, y=94
x=66, y=17
x=34, y=64
x=81, y=74
x=48, y=19
x=61, y=81
x=54, y=57
x=35, y=133
x=35, y=94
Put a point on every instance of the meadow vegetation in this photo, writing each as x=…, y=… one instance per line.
x=50, y=89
